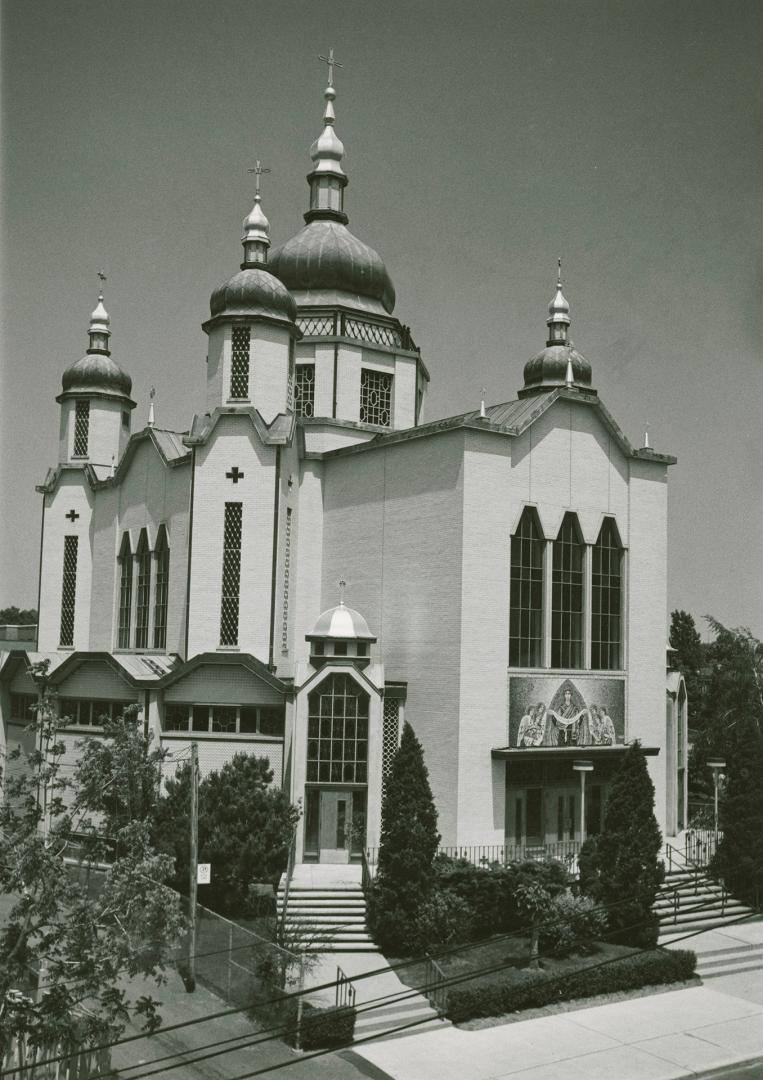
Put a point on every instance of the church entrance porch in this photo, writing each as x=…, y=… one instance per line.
x=335, y=824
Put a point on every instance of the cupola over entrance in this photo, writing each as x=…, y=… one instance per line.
x=340, y=632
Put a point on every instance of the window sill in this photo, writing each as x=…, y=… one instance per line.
x=226, y=736
x=228, y=648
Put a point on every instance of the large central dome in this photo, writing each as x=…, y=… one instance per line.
x=324, y=263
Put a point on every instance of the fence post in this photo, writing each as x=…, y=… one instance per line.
x=298, y=1034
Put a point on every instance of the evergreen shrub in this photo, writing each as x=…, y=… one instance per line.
x=324, y=1028
x=532, y=989
x=574, y=924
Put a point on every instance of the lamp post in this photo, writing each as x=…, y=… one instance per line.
x=717, y=765
x=582, y=767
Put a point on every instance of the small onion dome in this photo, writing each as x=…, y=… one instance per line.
x=99, y=320
x=549, y=368
x=256, y=225
x=328, y=149
x=254, y=292
x=325, y=257
x=96, y=373
x=342, y=622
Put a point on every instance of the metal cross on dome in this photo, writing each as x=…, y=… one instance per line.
x=342, y=586
x=258, y=170
x=332, y=63
x=101, y=277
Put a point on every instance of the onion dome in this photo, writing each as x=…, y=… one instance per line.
x=254, y=290
x=560, y=363
x=97, y=372
x=342, y=622
x=324, y=263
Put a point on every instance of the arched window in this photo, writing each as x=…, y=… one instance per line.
x=606, y=599
x=125, y=593
x=143, y=590
x=337, y=732
x=526, y=598
x=162, y=557
x=567, y=596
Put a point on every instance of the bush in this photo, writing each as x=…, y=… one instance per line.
x=488, y=893
x=533, y=989
x=324, y=1028
x=574, y=924
x=442, y=918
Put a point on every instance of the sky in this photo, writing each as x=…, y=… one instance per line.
x=482, y=141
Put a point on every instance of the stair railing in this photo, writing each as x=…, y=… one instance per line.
x=366, y=877
x=434, y=985
x=345, y=991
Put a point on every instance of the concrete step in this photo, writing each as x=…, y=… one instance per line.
x=379, y=1021
x=329, y=894
x=751, y=956
x=731, y=910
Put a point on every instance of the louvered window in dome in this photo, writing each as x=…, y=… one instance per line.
x=69, y=590
x=240, y=356
x=81, y=427
x=375, y=397
x=231, y=575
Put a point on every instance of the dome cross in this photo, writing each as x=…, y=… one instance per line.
x=258, y=170
x=332, y=63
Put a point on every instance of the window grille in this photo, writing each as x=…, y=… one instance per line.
x=143, y=592
x=69, y=590
x=526, y=597
x=231, y=577
x=567, y=597
x=317, y=326
x=81, y=427
x=375, y=397
x=390, y=734
x=373, y=332
x=337, y=732
x=606, y=599
x=304, y=390
x=125, y=594
x=239, y=373
x=161, y=587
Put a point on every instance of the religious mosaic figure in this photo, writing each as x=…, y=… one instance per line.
x=567, y=721
x=530, y=731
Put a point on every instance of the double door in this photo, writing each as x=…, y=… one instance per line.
x=334, y=824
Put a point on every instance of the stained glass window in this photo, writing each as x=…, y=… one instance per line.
x=567, y=596
x=337, y=732
x=231, y=577
x=239, y=372
x=162, y=557
x=143, y=591
x=606, y=599
x=125, y=594
x=526, y=597
x=81, y=427
x=69, y=590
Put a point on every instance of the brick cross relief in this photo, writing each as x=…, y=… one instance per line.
x=234, y=475
x=72, y=515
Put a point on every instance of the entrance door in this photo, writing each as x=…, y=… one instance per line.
x=528, y=817
x=335, y=823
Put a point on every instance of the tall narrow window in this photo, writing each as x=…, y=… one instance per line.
x=567, y=596
x=526, y=618
x=239, y=370
x=143, y=589
x=304, y=390
x=125, y=593
x=337, y=732
x=69, y=590
x=81, y=427
x=606, y=599
x=375, y=397
x=231, y=574
x=162, y=556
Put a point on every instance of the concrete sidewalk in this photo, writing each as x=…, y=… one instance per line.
x=664, y=1036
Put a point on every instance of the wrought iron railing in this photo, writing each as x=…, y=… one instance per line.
x=700, y=845
x=565, y=851
x=287, y=882
x=434, y=985
x=345, y=991
x=340, y=324
x=366, y=875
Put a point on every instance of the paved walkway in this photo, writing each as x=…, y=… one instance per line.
x=664, y=1036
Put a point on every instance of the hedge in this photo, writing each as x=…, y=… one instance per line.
x=323, y=1028
x=531, y=989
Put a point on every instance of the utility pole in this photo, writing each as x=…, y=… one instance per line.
x=193, y=867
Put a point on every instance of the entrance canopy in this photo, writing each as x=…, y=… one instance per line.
x=597, y=754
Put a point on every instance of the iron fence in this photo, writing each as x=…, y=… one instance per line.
x=564, y=851
x=345, y=991
x=434, y=986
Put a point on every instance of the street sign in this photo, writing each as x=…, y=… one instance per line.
x=203, y=873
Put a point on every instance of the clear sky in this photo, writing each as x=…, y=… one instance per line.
x=482, y=140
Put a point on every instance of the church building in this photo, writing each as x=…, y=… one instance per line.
x=312, y=563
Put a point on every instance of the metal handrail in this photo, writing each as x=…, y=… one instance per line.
x=367, y=878
x=435, y=988
x=289, y=873
x=345, y=991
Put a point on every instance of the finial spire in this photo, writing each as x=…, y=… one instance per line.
x=646, y=445
x=100, y=323
x=342, y=586
x=558, y=320
x=151, y=396
x=256, y=238
x=483, y=414
x=569, y=376
x=327, y=180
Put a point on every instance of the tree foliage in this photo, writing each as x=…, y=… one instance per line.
x=74, y=941
x=624, y=870
x=690, y=657
x=245, y=828
x=14, y=616
x=740, y=853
